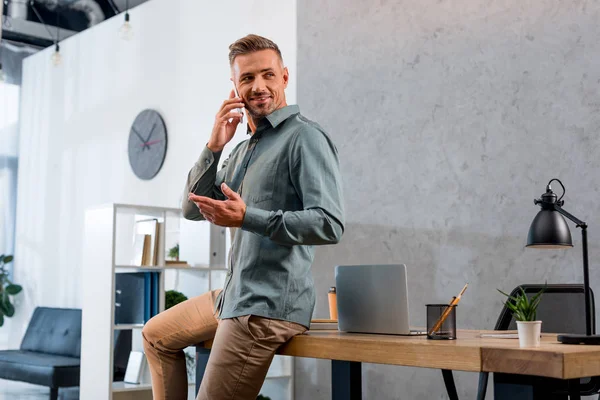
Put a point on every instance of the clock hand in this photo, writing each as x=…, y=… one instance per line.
x=141, y=138
x=151, y=130
x=152, y=142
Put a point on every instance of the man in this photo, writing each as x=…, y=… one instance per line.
x=280, y=193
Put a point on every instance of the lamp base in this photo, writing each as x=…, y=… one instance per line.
x=579, y=339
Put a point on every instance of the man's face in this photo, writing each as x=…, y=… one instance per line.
x=261, y=81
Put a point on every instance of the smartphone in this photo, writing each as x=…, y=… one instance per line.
x=240, y=110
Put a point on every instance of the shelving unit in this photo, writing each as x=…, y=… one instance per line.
x=124, y=327
x=108, y=252
x=130, y=387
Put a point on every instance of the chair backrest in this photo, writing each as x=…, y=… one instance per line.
x=54, y=331
x=562, y=308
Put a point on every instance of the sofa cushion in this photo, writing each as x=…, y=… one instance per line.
x=55, y=331
x=39, y=368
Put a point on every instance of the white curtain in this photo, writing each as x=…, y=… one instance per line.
x=9, y=130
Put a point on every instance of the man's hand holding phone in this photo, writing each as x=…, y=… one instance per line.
x=226, y=122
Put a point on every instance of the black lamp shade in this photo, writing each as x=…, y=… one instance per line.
x=549, y=230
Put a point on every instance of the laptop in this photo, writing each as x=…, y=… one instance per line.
x=373, y=299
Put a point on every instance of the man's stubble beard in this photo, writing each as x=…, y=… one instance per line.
x=261, y=112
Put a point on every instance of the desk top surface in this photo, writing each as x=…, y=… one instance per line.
x=469, y=352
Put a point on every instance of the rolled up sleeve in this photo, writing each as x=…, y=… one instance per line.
x=316, y=178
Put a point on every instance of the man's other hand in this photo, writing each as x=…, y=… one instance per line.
x=228, y=213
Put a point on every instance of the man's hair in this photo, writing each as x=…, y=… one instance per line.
x=250, y=44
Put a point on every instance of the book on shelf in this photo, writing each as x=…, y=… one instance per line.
x=142, y=248
x=135, y=367
x=157, y=244
x=147, y=296
x=148, y=227
x=151, y=294
x=129, y=298
x=141, y=242
x=147, y=258
x=155, y=293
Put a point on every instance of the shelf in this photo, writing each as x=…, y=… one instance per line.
x=120, y=269
x=125, y=327
x=278, y=377
x=144, y=209
x=130, y=387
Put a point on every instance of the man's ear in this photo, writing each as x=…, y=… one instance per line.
x=286, y=77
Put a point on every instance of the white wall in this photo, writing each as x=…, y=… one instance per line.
x=471, y=108
x=9, y=128
x=9, y=125
x=76, y=117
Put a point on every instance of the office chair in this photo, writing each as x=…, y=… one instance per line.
x=561, y=310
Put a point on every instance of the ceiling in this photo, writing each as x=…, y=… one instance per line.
x=49, y=19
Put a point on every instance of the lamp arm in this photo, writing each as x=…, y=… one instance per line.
x=580, y=223
x=590, y=327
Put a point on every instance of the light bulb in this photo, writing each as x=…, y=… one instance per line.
x=126, y=31
x=56, y=56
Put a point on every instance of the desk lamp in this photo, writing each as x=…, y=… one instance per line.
x=549, y=230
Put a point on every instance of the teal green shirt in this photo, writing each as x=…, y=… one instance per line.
x=293, y=194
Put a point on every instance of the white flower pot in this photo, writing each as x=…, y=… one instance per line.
x=529, y=333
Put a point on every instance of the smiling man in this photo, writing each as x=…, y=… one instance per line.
x=280, y=193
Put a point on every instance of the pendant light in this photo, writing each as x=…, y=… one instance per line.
x=126, y=31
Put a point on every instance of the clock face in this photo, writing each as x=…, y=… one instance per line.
x=147, y=144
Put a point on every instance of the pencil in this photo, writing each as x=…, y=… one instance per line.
x=447, y=311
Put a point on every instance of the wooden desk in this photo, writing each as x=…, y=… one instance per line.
x=470, y=352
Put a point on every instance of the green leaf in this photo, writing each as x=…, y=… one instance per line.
x=6, y=307
x=13, y=289
x=8, y=259
x=9, y=309
x=511, y=307
x=1, y=319
x=536, y=303
x=521, y=306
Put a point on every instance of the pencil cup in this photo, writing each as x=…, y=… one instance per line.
x=441, y=321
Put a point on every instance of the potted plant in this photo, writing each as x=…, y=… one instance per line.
x=7, y=289
x=173, y=253
x=524, y=310
x=173, y=297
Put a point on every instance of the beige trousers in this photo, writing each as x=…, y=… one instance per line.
x=240, y=357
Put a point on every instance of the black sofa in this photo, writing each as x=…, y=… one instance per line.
x=50, y=351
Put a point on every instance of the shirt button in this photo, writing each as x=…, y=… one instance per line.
x=206, y=162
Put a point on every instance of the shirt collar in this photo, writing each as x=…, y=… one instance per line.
x=280, y=115
x=277, y=117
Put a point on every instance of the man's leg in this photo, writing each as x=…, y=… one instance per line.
x=241, y=355
x=168, y=333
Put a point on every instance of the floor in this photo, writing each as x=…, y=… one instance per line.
x=10, y=390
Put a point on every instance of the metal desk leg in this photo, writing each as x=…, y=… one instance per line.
x=346, y=380
x=450, y=385
x=574, y=393
x=201, y=363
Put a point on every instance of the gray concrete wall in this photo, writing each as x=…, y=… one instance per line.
x=450, y=118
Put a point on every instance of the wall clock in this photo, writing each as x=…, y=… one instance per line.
x=147, y=145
